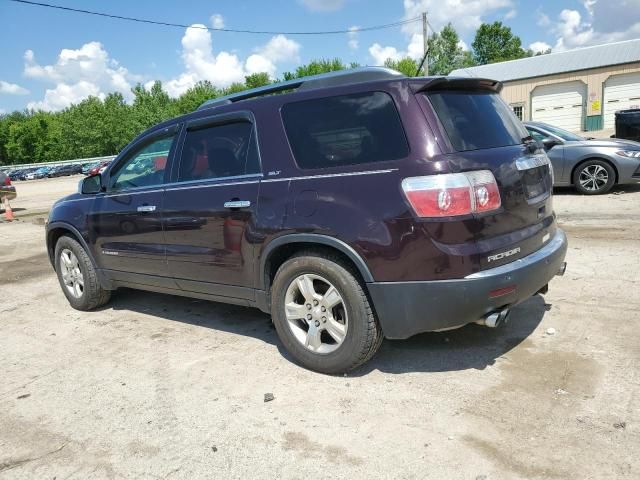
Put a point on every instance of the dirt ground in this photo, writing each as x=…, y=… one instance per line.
x=154, y=386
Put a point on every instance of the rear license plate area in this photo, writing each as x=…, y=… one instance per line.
x=536, y=182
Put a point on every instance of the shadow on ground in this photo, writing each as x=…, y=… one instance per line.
x=472, y=346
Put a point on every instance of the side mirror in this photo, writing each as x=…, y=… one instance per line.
x=549, y=143
x=91, y=185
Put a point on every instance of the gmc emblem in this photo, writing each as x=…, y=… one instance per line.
x=500, y=256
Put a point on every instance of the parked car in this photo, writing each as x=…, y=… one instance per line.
x=592, y=166
x=22, y=173
x=628, y=124
x=65, y=170
x=99, y=168
x=88, y=166
x=357, y=205
x=38, y=173
x=6, y=189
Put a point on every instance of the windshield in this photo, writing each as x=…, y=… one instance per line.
x=563, y=134
x=475, y=120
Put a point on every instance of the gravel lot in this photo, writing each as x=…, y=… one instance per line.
x=154, y=386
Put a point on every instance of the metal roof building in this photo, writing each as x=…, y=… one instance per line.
x=578, y=89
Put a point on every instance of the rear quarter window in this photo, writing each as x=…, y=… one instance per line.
x=477, y=120
x=344, y=130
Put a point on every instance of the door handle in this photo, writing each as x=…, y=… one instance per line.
x=147, y=208
x=237, y=204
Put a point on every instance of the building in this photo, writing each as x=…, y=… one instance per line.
x=577, y=90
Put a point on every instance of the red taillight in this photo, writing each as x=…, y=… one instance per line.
x=452, y=194
x=7, y=181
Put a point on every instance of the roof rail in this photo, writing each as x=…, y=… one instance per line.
x=323, y=80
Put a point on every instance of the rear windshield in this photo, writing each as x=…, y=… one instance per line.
x=344, y=130
x=477, y=120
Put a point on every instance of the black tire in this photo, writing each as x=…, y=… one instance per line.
x=583, y=170
x=364, y=335
x=93, y=295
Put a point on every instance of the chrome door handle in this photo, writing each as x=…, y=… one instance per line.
x=237, y=204
x=147, y=208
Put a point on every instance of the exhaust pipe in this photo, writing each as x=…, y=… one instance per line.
x=562, y=269
x=495, y=319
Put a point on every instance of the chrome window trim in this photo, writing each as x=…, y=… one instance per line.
x=208, y=185
x=331, y=175
x=134, y=191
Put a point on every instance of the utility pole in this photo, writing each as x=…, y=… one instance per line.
x=425, y=39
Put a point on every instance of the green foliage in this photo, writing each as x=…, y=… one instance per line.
x=256, y=80
x=407, y=66
x=496, y=43
x=317, y=67
x=445, y=52
x=196, y=96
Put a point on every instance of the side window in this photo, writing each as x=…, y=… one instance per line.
x=537, y=135
x=219, y=151
x=344, y=130
x=145, y=167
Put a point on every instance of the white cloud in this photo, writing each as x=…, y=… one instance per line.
x=323, y=5
x=65, y=94
x=217, y=21
x=353, y=38
x=511, y=14
x=224, y=68
x=465, y=15
x=603, y=21
x=537, y=47
x=12, y=88
x=77, y=74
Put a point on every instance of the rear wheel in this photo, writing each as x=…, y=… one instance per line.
x=77, y=276
x=594, y=177
x=322, y=314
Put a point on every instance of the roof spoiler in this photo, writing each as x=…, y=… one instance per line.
x=460, y=83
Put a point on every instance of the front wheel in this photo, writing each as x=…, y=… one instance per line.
x=594, y=177
x=322, y=314
x=77, y=276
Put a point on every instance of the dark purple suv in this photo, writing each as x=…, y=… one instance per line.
x=351, y=206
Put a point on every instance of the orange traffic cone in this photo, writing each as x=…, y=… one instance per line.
x=8, y=213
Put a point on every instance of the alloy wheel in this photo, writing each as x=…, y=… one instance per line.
x=593, y=177
x=316, y=313
x=71, y=273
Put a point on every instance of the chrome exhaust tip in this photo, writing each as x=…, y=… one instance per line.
x=562, y=269
x=495, y=319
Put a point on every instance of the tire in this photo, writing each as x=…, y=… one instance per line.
x=91, y=295
x=594, y=177
x=360, y=335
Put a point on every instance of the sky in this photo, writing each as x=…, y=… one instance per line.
x=50, y=59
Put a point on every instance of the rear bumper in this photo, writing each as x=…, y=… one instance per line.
x=407, y=308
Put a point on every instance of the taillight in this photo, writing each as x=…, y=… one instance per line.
x=7, y=181
x=452, y=194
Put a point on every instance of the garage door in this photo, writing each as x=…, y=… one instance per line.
x=620, y=93
x=560, y=105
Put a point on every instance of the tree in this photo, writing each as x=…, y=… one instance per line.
x=407, y=66
x=496, y=43
x=256, y=80
x=196, y=96
x=317, y=67
x=445, y=52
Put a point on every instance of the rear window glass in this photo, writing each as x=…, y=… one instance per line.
x=476, y=120
x=344, y=130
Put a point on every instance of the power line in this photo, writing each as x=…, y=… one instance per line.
x=212, y=29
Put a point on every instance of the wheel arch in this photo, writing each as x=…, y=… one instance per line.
x=600, y=158
x=55, y=230
x=282, y=248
